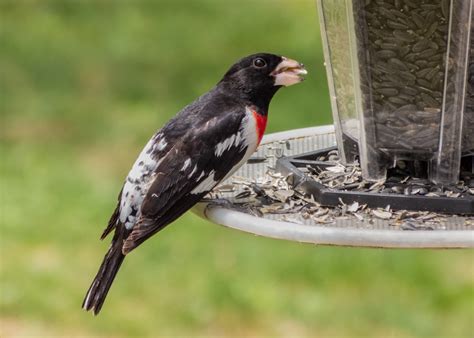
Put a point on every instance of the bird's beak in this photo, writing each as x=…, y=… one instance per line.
x=288, y=72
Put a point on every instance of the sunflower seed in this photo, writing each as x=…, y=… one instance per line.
x=353, y=207
x=382, y=214
x=386, y=53
x=396, y=25
x=388, y=91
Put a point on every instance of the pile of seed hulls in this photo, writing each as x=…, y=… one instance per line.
x=402, y=54
x=272, y=195
x=348, y=177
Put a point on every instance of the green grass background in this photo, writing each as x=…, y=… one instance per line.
x=83, y=86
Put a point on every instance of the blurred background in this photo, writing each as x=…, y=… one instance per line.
x=84, y=84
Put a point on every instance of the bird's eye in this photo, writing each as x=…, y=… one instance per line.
x=259, y=63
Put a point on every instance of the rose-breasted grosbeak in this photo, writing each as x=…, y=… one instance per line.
x=202, y=145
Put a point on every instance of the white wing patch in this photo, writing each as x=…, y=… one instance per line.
x=138, y=179
x=200, y=176
x=192, y=172
x=206, y=185
x=229, y=142
x=186, y=164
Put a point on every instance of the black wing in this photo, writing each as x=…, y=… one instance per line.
x=190, y=170
x=139, y=178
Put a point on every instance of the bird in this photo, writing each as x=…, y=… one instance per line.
x=205, y=143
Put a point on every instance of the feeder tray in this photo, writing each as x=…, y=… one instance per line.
x=238, y=203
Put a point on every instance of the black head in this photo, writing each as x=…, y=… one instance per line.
x=257, y=77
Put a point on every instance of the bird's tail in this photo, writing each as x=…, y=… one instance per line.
x=100, y=286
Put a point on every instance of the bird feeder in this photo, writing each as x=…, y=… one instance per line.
x=400, y=154
x=398, y=73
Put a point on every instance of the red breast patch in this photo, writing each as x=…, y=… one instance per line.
x=260, y=124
